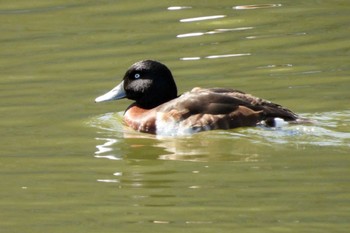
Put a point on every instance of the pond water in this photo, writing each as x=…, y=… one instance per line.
x=69, y=165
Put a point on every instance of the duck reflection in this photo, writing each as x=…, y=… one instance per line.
x=121, y=142
x=196, y=148
x=244, y=144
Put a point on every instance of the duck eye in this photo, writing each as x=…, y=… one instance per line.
x=137, y=76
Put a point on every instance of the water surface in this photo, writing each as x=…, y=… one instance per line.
x=69, y=165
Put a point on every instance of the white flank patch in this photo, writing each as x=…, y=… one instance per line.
x=167, y=126
x=279, y=122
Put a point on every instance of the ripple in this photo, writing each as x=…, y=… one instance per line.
x=160, y=222
x=215, y=56
x=275, y=35
x=190, y=58
x=108, y=181
x=256, y=6
x=222, y=30
x=105, y=147
x=176, y=8
x=275, y=66
x=192, y=34
x=324, y=132
x=199, y=222
x=108, y=122
x=227, y=55
x=215, y=31
x=202, y=18
x=330, y=130
x=110, y=157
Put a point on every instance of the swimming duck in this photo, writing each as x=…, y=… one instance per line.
x=159, y=110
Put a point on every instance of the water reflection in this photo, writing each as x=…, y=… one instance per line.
x=215, y=56
x=256, y=6
x=121, y=142
x=215, y=31
x=202, y=18
x=261, y=36
x=274, y=66
x=106, y=148
x=227, y=55
x=175, y=8
x=230, y=145
x=190, y=148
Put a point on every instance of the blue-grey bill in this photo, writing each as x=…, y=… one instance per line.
x=116, y=93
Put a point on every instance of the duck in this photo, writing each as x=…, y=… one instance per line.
x=158, y=109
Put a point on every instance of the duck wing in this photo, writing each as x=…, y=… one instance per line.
x=224, y=100
x=221, y=108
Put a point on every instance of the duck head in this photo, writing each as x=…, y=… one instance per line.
x=149, y=83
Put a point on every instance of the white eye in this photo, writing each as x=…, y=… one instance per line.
x=137, y=76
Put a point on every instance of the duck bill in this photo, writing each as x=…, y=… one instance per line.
x=116, y=93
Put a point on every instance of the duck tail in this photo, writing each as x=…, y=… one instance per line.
x=279, y=122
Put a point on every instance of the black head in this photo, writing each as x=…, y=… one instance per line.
x=149, y=83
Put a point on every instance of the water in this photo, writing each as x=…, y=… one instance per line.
x=68, y=164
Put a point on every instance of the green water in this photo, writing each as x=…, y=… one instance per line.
x=69, y=165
